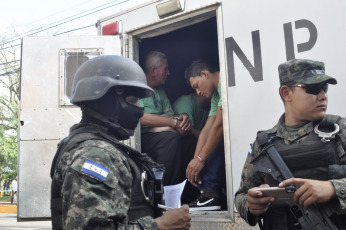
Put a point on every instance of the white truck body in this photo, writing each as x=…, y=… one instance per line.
x=248, y=39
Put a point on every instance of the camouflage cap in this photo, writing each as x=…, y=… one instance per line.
x=304, y=71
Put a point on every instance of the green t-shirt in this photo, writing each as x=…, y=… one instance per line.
x=216, y=100
x=157, y=104
x=189, y=105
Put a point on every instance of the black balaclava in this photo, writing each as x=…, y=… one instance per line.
x=114, y=113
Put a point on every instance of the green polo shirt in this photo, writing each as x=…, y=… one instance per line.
x=189, y=105
x=157, y=104
x=216, y=100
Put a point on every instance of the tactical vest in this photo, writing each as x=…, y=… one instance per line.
x=309, y=158
x=145, y=185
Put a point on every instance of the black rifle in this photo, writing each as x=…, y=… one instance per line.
x=270, y=162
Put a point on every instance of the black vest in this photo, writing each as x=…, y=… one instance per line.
x=141, y=205
x=309, y=158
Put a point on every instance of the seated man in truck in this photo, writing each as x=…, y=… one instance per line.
x=197, y=108
x=97, y=181
x=206, y=170
x=316, y=162
x=164, y=147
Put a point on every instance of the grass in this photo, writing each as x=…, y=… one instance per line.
x=5, y=199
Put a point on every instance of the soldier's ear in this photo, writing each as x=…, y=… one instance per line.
x=285, y=93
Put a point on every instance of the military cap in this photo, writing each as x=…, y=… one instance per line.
x=304, y=71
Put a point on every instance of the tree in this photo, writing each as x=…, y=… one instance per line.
x=9, y=104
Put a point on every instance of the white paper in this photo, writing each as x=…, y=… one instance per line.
x=172, y=194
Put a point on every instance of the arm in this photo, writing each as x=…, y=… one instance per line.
x=249, y=202
x=157, y=120
x=208, y=140
x=213, y=136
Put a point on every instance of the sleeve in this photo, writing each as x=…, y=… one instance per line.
x=216, y=101
x=249, y=179
x=96, y=192
x=340, y=184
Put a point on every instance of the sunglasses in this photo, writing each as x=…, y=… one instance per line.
x=314, y=89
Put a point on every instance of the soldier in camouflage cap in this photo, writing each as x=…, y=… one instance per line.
x=97, y=181
x=317, y=163
x=303, y=71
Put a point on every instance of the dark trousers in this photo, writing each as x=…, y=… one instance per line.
x=165, y=148
x=213, y=174
x=12, y=198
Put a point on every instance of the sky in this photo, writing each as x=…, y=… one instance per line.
x=19, y=18
x=28, y=14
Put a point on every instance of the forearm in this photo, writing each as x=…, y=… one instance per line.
x=157, y=120
x=201, y=141
x=243, y=209
x=340, y=191
x=204, y=134
x=249, y=178
x=213, y=140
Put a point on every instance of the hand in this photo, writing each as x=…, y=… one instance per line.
x=256, y=203
x=192, y=171
x=180, y=130
x=185, y=125
x=177, y=218
x=310, y=191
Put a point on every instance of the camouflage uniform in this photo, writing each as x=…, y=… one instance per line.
x=91, y=203
x=251, y=178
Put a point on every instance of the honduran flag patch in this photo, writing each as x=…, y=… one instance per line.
x=94, y=169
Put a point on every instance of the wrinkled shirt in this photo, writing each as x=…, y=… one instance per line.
x=101, y=200
x=251, y=178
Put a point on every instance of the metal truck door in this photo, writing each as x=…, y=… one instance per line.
x=46, y=114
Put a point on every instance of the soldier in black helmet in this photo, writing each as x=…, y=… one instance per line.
x=97, y=181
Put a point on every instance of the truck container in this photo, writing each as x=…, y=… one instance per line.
x=246, y=39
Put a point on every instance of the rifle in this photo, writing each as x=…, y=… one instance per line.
x=270, y=162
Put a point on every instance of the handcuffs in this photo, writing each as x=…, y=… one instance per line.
x=325, y=137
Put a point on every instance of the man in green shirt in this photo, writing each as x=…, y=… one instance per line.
x=207, y=168
x=196, y=107
x=164, y=147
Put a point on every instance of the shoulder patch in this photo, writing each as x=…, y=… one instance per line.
x=94, y=169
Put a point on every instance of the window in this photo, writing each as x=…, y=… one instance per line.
x=70, y=61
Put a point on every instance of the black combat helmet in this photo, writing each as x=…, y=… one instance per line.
x=100, y=87
x=95, y=77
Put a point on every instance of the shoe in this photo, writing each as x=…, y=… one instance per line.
x=205, y=204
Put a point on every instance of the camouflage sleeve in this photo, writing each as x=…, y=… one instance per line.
x=249, y=179
x=340, y=184
x=96, y=189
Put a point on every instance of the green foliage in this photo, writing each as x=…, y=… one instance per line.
x=5, y=199
x=9, y=105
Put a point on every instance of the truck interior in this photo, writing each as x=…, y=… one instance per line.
x=182, y=47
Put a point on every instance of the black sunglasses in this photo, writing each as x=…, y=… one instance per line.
x=314, y=89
